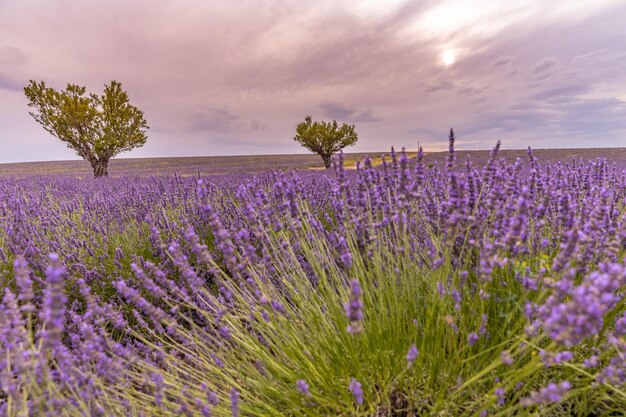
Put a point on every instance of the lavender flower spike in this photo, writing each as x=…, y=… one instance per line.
x=552, y=393
x=25, y=284
x=354, y=308
x=412, y=355
x=53, y=311
x=356, y=390
x=303, y=387
x=234, y=402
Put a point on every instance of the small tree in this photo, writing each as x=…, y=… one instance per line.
x=325, y=138
x=96, y=127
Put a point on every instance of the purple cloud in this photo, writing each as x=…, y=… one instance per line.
x=543, y=65
x=337, y=111
x=214, y=120
x=502, y=61
x=11, y=84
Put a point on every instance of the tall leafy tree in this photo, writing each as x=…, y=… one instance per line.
x=96, y=127
x=325, y=138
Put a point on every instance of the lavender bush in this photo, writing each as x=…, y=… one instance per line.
x=390, y=291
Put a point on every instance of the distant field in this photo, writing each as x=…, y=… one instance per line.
x=217, y=165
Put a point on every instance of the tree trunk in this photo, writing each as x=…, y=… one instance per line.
x=326, y=159
x=100, y=168
x=94, y=164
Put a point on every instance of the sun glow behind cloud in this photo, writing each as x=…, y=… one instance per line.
x=448, y=57
x=485, y=18
x=451, y=17
x=375, y=8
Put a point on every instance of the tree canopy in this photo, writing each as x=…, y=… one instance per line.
x=325, y=138
x=96, y=127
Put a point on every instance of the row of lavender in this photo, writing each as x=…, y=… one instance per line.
x=399, y=290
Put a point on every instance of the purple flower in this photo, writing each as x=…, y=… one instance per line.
x=591, y=362
x=277, y=305
x=564, y=356
x=356, y=390
x=24, y=283
x=133, y=296
x=573, y=313
x=483, y=325
x=53, y=310
x=346, y=256
x=620, y=326
x=224, y=332
x=302, y=386
x=472, y=338
x=346, y=259
x=550, y=394
x=265, y=316
x=412, y=355
x=159, y=386
x=234, y=402
x=212, y=398
x=500, y=396
x=354, y=308
x=12, y=328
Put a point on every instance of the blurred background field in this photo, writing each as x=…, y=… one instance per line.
x=218, y=165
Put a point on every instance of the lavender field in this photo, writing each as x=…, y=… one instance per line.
x=446, y=284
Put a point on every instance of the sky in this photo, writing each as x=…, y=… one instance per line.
x=235, y=77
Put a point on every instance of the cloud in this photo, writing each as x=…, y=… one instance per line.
x=429, y=133
x=543, y=65
x=222, y=122
x=590, y=56
x=12, y=60
x=344, y=113
x=594, y=117
x=502, y=61
x=13, y=56
x=471, y=90
x=214, y=120
x=571, y=120
x=438, y=86
x=10, y=84
x=256, y=125
x=560, y=93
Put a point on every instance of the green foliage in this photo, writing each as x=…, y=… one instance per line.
x=403, y=306
x=325, y=138
x=96, y=127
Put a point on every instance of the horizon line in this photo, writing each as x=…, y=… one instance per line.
x=313, y=154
